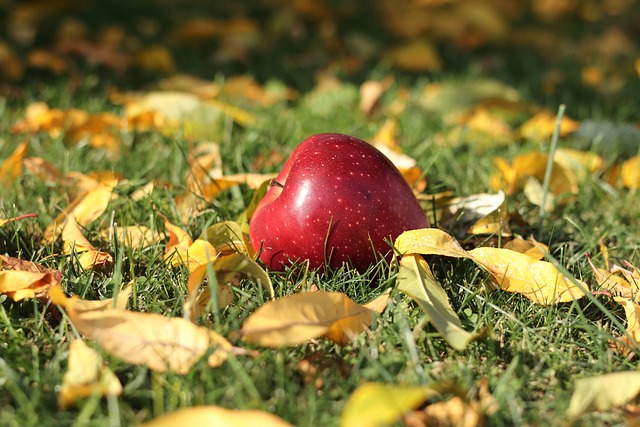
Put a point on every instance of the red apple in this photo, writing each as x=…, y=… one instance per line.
x=337, y=200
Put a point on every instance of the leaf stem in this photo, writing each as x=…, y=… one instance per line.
x=549, y=169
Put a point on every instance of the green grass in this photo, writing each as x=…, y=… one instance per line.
x=531, y=365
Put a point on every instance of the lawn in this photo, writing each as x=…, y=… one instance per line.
x=171, y=118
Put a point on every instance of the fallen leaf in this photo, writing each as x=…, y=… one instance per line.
x=175, y=252
x=162, y=344
x=217, y=416
x=453, y=412
x=418, y=55
x=85, y=209
x=529, y=247
x=227, y=238
x=227, y=269
x=132, y=236
x=456, y=96
x=603, y=392
x=120, y=300
x=377, y=405
x=416, y=280
x=11, y=168
x=539, y=281
x=478, y=214
x=77, y=244
x=611, y=281
x=297, y=318
x=630, y=172
x=87, y=375
x=541, y=126
x=20, y=279
x=370, y=93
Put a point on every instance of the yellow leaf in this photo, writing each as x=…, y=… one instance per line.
x=542, y=125
x=630, y=172
x=227, y=238
x=377, y=405
x=539, y=281
x=85, y=209
x=429, y=241
x=43, y=169
x=75, y=243
x=370, y=93
x=453, y=412
x=133, y=236
x=20, y=279
x=529, y=247
x=380, y=303
x=121, y=300
x=480, y=213
x=175, y=252
x=612, y=282
x=217, y=416
x=416, y=280
x=297, y=318
x=160, y=343
x=86, y=375
x=416, y=55
x=11, y=168
x=632, y=313
x=534, y=192
x=603, y=392
x=227, y=269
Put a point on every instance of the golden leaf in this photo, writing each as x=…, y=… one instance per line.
x=377, y=405
x=11, y=168
x=429, y=241
x=227, y=238
x=416, y=280
x=217, y=416
x=539, y=281
x=529, y=247
x=630, y=172
x=542, y=125
x=76, y=243
x=160, y=343
x=86, y=208
x=175, y=252
x=86, y=375
x=625, y=287
x=227, y=270
x=20, y=279
x=416, y=55
x=297, y=318
x=133, y=236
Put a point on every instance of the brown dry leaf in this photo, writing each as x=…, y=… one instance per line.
x=76, y=243
x=630, y=172
x=47, y=60
x=87, y=375
x=11, y=168
x=228, y=269
x=297, y=318
x=539, y=281
x=217, y=416
x=542, y=125
x=85, y=208
x=20, y=279
x=162, y=344
x=418, y=55
x=377, y=405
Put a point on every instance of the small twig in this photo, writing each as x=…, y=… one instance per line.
x=549, y=169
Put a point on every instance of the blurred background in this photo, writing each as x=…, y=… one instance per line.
x=552, y=50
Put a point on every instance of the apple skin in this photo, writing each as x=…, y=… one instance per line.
x=336, y=198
